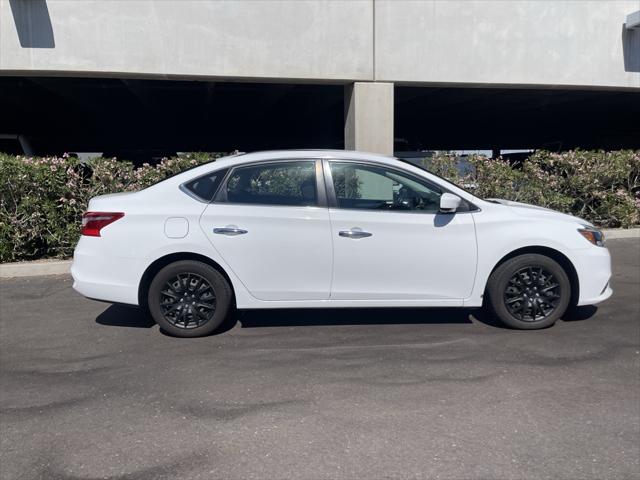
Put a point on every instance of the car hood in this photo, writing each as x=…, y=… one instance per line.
x=534, y=211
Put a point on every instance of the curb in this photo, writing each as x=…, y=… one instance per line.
x=39, y=268
x=615, y=233
x=35, y=269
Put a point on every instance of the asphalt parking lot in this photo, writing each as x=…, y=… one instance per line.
x=90, y=390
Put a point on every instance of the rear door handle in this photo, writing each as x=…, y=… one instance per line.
x=354, y=233
x=231, y=231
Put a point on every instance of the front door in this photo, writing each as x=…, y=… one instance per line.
x=390, y=242
x=269, y=224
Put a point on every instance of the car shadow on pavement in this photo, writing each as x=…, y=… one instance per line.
x=135, y=317
x=354, y=316
x=382, y=316
x=576, y=314
x=125, y=316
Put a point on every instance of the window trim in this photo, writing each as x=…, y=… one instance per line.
x=321, y=201
x=333, y=199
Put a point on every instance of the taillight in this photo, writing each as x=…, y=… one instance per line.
x=93, y=222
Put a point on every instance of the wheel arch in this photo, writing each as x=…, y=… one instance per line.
x=158, y=264
x=552, y=253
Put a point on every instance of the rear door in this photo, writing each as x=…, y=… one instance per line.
x=390, y=241
x=270, y=224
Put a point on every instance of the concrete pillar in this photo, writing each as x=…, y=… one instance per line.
x=368, y=117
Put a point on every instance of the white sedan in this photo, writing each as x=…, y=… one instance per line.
x=322, y=229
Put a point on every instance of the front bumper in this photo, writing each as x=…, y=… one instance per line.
x=608, y=291
x=593, y=266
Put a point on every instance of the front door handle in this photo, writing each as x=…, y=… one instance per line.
x=354, y=233
x=231, y=231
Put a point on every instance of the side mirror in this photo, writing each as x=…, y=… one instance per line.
x=449, y=203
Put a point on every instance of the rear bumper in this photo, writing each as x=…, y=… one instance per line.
x=103, y=277
x=104, y=292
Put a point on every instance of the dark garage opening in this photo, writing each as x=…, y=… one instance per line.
x=455, y=118
x=136, y=119
x=145, y=119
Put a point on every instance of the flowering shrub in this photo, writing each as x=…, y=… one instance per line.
x=42, y=199
x=602, y=187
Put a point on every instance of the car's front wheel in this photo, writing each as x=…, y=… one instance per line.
x=529, y=291
x=189, y=298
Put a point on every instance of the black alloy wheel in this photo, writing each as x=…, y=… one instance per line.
x=189, y=298
x=532, y=294
x=529, y=291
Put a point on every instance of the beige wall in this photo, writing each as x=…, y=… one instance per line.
x=306, y=39
x=531, y=42
x=543, y=42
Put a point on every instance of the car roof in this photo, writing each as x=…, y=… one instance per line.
x=270, y=155
x=307, y=153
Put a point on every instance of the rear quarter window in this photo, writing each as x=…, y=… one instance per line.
x=205, y=187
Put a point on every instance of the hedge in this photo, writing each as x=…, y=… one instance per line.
x=42, y=199
x=601, y=187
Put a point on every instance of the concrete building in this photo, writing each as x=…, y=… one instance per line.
x=174, y=75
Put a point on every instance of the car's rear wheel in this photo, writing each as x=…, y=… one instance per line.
x=189, y=298
x=529, y=291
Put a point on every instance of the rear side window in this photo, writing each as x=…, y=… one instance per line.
x=205, y=187
x=283, y=183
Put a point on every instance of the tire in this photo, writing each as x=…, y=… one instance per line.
x=189, y=299
x=528, y=292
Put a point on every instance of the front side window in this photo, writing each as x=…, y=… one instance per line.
x=285, y=183
x=371, y=187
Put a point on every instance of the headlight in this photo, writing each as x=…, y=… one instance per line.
x=594, y=235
